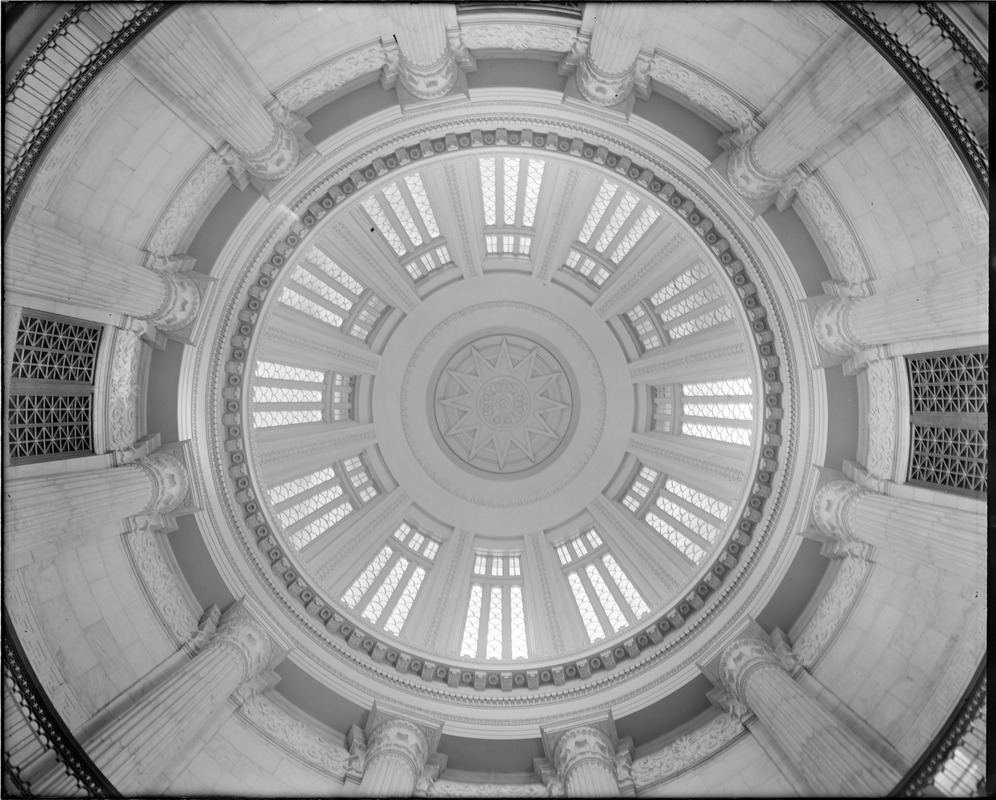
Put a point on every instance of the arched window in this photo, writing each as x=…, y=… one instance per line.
x=50, y=397
x=495, y=626
x=606, y=598
x=616, y=221
x=386, y=589
x=509, y=191
x=691, y=302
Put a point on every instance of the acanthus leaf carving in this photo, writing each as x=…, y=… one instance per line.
x=188, y=202
x=686, y=750
x=160, y=582
x=445, y=788
x=701, y=91
x=501, y=36
x=332, y=76
x=881, y=456
x=122, y=396
x=847, y=259
x=832, y=610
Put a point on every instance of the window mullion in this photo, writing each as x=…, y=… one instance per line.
x=409, y=201
x=324, y=277
x=482, y=630
x=316, y=298
x=506, y=622
x=683, y=529
x=399, y=590
x=604, y=220
x=375, y=584
x=395, y=223
x=621, y=600
x=595, y=600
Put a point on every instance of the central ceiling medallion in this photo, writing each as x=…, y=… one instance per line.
x=503, y=404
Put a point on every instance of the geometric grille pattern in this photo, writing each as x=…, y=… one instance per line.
x=950, y=420
x=48, y=425
x=50, y=350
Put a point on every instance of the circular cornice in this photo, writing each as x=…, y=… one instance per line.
x=376, y=681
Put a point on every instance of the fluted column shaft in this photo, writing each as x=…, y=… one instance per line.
x=606, y=75
x=182, y=57
x=50, y=508
x=830, y=758
x=47, y=263
x=134, y=748
x=428, y=67
x=851, y=81
x=585, y=761
x=397, y=751
x=938, y=537
x=951, y=305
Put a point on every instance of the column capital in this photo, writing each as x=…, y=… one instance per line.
x=585, y=743
x=170, y=481
x=400, y=737
x=740, y=658
x=831, y=325
x=747, y=177
x=181, y=304
x=241, y=631
x=830, y=507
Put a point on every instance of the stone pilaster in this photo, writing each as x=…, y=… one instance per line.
x=182, y=57
x=951, y=305
x=428, y=68
x=828, y=755
x=607, y=73
x=942, y=538
x=52, y=509
x=134, y=748
x=47, y=263
x=393, y=755
x=849, y=83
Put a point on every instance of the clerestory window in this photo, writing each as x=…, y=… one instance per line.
x=286, y=395
x=50, y=397
x=687, y=304
x=495, y=626
x=721, y=410
x=385, y=591
x=606, y=598
x=510, y=189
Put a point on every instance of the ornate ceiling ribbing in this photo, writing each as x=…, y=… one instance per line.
x=654, y=633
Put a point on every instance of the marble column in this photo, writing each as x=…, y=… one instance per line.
x=827, y=754
x=397, y=752
x=81, y=506
x=133, y=749
x=850, y=82
x=180, y=55
x=428, y=66
x=606, y=74
x=47, y=263
x=950, y=305
x=942, y=538
x=585, y=760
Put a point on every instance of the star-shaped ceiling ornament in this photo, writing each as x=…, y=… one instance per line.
x=504, y=404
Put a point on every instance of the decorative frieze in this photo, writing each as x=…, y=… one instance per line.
x=700, y=90
x=686, y=751
x=832, y=611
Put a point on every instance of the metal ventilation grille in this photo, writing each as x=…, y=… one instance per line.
x=51, y=393
x=950, y=421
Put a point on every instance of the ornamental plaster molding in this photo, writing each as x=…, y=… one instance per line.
x=189, y=201
x=453, y=579
x=343, y=439
x=349, y=358
x=534, y=544
x=122, y=389
x=661, y=363
x=182, y=302
x=831, y=505
x=832, y=329
x=700, y=90
x=639, y=445
x=403, y=294
x=331, y=76
x=881, y=418
x=170, y=482
x=300, y=739
x=518, y=36
x=846, y=259
x=832, y=612
x=446, y=788
x=557, y=226
x=160, y=582
x=408, y=414
x=686, y=751
x=460, y=219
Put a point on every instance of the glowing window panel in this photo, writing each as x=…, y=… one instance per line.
x=334, y=271
x=279, y=394
x=415, y=541
x=311, y=282
x=708, y=504
x=292, y=488
x=487, y=166
x=414, y=183
x=317, y=527
x=617, y=619
x=508, y=244
x=598, y=208
x=352, y=463
x=491, y=243
x=518, y=624
x=740, y=387
x=510, y=186
x=267, y=369
x=525, y=242
x=636, y=602
x=534, y=178
x=385, y=591
x=307, y=306
x=717, y=433
x=380, y=219
x=579, y=547
x=626, y=207
x=706, y=320
x=496, y=566
x=392, y=193
x=588, y=615
x=480, y=564
x=309, y=505
x=593, y=539
x=362, y=584
x=473, y=625
x=690, y=520
x=431, y=548
x=493, y=644
x=686, y=280
x=631, y=503
x=689, y=303
x=572, y=260
x=368, y=493
x=647, y=218
x=276, y=419
x=564, y=554
x=739, y=411
x=687, y=547
x=513, y=566
x=396, y=621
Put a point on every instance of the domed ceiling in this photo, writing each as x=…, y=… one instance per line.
x=440, y=398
